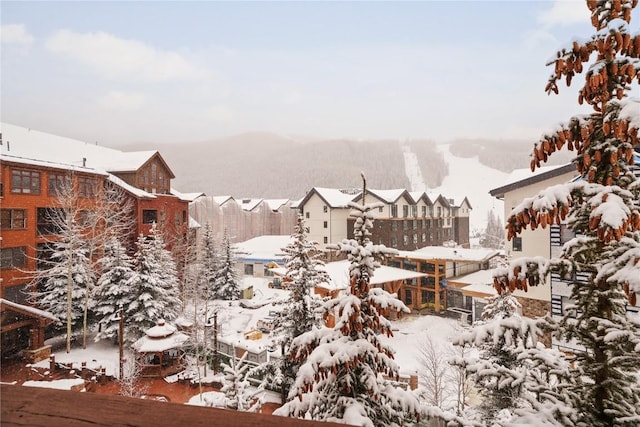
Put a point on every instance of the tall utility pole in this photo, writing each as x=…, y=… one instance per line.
x=121, y=341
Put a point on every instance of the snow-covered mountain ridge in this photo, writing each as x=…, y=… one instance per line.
x=263, y=165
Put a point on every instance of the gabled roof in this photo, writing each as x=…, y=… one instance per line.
x=32, y=144
x=465, y=201
x=221, y=200
x=249, y=204
x=443, y=200
x=276, y=204
x=523, y=177
x=334, y=198
x=421, y=195
x=389, y=196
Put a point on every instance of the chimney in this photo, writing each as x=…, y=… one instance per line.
x=84, y=162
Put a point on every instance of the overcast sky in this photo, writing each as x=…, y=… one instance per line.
x=118, y=72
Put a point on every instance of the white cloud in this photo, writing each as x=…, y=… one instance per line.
x=116, y=100
x=565, y=12
x=116, y=58
x=15, y=34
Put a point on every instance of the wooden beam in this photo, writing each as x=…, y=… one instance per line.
x=41, y=407
x=20, y=324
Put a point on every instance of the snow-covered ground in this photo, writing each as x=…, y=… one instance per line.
x=234, y=318
x=470, y=178
x=467, y=178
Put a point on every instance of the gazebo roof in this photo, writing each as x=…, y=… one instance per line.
x=160, y=338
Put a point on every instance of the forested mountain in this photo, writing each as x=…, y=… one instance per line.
x=273, y=166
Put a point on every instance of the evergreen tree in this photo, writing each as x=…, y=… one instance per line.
x=154, y=291
x=602, y=262
x=305, y=270
x=64, y=279
x=226, y=279
x=112, y=291
x=342, y=377
x=493, y=236
x=238, y=392
x=209, y=260
x=498, y=371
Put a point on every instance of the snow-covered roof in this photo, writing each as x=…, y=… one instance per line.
x=130, y=188
x=522, y=177
x=453, y=254
x=338, y=272
x=187, y=197
x=221, y=200
x=477, y=277
x=249, y=204
x=332, y=196
x=32, y=310
x=276, y=204
x=388, y=196
x=31, y=144
x=160, y=338
x=263, y=248
x=193, y=223
x=479, y=289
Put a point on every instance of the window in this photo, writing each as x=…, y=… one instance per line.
x=394, y=242
x=408, y=296
x=405, y=225
x=58, y=182
x=154, y=173
x=248, y=269
x=414, y=211
x=405, y=240
x=517, y=244
x=394, y=211
x=44, y=255
x=325, y=209
x=26, y=182
x=439, y=211
x=1, y=189
x=325, y=224
x=424, y=237
x=14, y=257
x=431, y=211
x=87, y=187
x=306, y=215
x=184, y=217
x=326, y=239
x=13, y=219
x=48, y=220
x=415, y=224
x=415, y=239
x=405, y=211
x=178, y=217
x=149, y=216
x=424, y=211
x=394, y=225
x=381, y=209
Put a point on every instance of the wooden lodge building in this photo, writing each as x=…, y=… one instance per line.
x=34, y=166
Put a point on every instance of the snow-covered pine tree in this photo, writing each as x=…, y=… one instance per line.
x=602, y=263
x=62, y=281
x=153, y=290
x=498, y=371
x=493, y=236
x=208, y=258
x=112, y=291
x=305, y=270
x=343, y=375
x=227, y=283
x=237, y=389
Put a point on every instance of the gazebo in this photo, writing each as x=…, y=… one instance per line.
x=160, y=350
